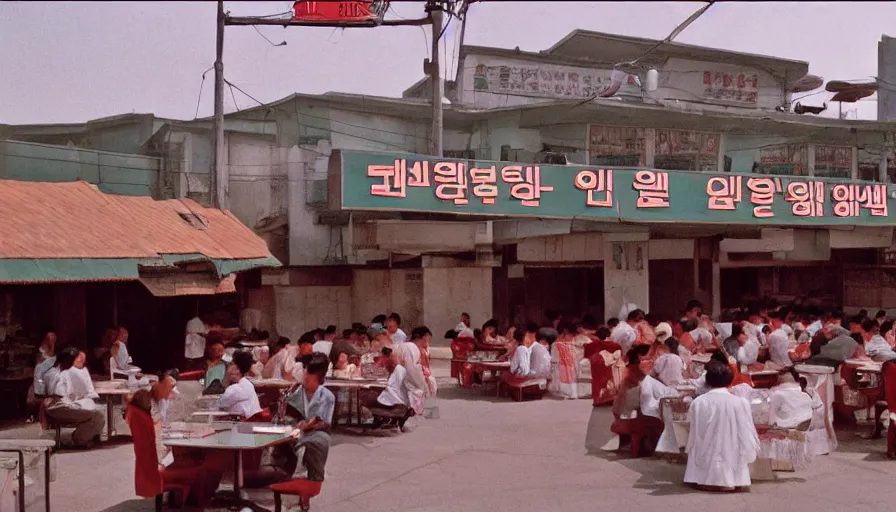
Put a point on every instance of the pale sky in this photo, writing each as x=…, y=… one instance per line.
x=71, y=62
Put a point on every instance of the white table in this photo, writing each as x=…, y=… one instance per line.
x=20, y=446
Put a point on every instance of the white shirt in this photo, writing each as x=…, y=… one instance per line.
x=789, y=406
x=399, y=336
x=652, y=391
x=722, y=441
x=669, y=369
x=396, y=392
x=878, y=349
x=724, y=329
x=519, y=363
x=51, y=376
x=625, y=335
x=702, y=337
x=66, y=387
x=749, y=352
x=240, y=398
x=194, y=344
x=322, y=346
x=778, y=346
x=460, y=327
x=82, y=384
x=539, y=361
x=814, y=327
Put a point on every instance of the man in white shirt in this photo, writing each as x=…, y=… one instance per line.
x=625, y=333
x=789, y=406
x=669, y=367
x=540, y=358
x=652, y=391
x=240, y=397
x=70, y=405
x=876, y=346
x=723, y=441
x=521, y=362
x=396, y=392
x=393, y=327
x=778, y=343
x=748, y=352
x=194, y=343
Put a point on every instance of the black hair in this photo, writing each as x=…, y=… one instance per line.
x=693, y=303
x=282, y=341
x=490, y=323
x=317, y=364
x=613, y=322
x=869, y=325
x=603, y=332
x=634, y=315
x=672, y=344
x=886, y=326
x=688, y=324
x=66, y=357
x=450, y=334
x=546, y=336
x=863, y=313
x=477, y=333
x=566, y=326
x=858, y=337
x=420, y=332
x=519, y=334
x=736, y=330
x=174, y=373
x=396, y=317
x=387, y=351
x=531, y=327
x=465, y=315
x=331, y=329
x=718, y=355
x=718, y=375
x=243, y=361
x=633, y=356
x=881, y=314
x=346, y=333
x=589, y=322
x=379, y=319
x=857, y=319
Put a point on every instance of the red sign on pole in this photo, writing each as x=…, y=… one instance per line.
x=359, y=11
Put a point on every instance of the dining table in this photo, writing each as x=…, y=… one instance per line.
x=109, y=390
x=496, y=367
x=351, y=396
x=236, y=437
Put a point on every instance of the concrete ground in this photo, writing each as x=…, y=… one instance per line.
x=485, y=454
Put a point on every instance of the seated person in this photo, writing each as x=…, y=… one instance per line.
x=71, y=405
x=313, y=405
x=262, y=355
x=598, y=339
x=120, y=351
x=834, y=352
x=490, y=334
x=723, y=440
x=342, y=369
x=398, y=386
x=240, y=397
x=521, y=362
x=630, y=423
x=790, y=407
x=82, y=384
x=669, y=367
x=280, y=365
x=540, y=356
x=216, y=368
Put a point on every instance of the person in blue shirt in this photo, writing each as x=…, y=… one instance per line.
x=313, y=405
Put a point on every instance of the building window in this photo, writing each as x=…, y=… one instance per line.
x=783, y=160
x=685, y=150
x=616, y=146
x=833, y=161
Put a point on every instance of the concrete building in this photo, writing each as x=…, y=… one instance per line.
x=713, y=114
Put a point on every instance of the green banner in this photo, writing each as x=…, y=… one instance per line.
x=405, y=182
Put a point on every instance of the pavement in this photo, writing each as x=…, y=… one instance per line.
x=489, y=454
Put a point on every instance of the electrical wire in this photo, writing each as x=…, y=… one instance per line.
x=672, y=35
x=266, y=39
x=233, y=96
x=199, y=99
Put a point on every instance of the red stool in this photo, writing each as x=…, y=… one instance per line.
x=304, y=489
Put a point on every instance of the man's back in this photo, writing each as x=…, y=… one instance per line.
x=722, y=440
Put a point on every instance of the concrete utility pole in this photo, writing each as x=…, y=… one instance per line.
x=219, y=179
x=435, y=76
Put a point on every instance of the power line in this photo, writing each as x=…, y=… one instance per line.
x=672, y=35
x=199, y=99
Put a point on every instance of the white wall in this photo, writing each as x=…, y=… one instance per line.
x=258, y=186
x=384, y=291
x=452, y=291
x=626, y=280
x=375, y=132
x=302, y=308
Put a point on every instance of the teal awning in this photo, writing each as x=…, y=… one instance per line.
x=69, y=270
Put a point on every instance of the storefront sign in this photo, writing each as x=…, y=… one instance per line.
x=544, y=80
x=740, y=88
x=404, y=182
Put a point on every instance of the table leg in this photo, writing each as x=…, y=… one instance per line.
x=238, y=474
x=109, y=412
x=47, y=479
x=21, y=480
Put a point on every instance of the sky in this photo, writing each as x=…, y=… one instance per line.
x=75, y=61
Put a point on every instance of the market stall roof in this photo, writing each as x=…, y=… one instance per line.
x=70, y=232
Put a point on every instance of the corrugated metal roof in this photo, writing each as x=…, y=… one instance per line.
x=76, y=220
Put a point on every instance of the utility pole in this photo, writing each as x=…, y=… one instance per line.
x=435, y=76
x=219, y=179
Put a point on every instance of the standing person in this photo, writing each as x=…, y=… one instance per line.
x=625, y=334
x=47, y=347
x=723, y=441
x=607, y=366
x=313, y=405
x=421, y=336
x=216, y=368
x=194, y=343
x=240, y=396
x=393, y=328
x=70, y=405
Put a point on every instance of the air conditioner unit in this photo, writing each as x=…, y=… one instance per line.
x=317, y=193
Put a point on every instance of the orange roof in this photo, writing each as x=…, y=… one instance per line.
x=77, y=220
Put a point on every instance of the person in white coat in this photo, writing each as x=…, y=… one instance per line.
x=723, y=440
